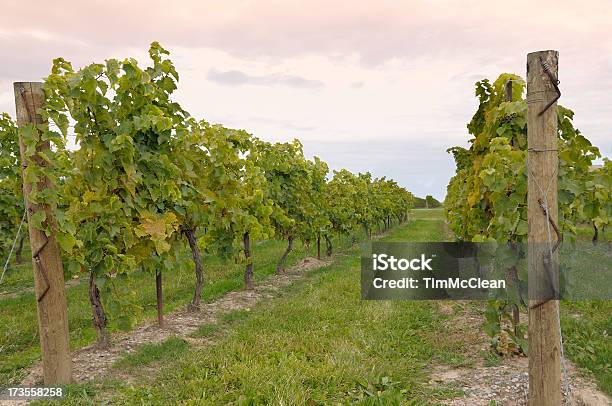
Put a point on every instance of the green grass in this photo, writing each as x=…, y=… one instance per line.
x=148, y=354
x=437, y=213
x=587, y=325
x=586, y=330
x=317, y=343
x=17, y=277
x=206, y=330
x=225, y=321
x=19, y=342
x=235, y=316
x=425, y=225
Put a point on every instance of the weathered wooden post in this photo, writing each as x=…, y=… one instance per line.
x=46, y=261
x=544, y=339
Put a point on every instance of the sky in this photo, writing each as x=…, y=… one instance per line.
x=379, y=86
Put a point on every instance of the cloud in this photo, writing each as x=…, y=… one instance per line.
x=238, y=78
x=413, y=62
x=289, y=28
x=266, y=125
x=286, y=124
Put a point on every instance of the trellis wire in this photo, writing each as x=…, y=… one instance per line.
x=12, y=247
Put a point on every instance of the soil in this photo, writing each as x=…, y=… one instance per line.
x=506, y=382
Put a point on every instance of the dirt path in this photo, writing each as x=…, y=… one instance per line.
x=507, y=383
x=90, y=362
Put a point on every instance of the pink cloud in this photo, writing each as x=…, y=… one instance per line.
x=376, y=32
x=376, y=58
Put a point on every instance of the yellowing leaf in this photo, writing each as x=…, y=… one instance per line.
x=88, y=196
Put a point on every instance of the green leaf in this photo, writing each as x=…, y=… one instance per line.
x=37, y=219
x=66, y=241
x=522, y=228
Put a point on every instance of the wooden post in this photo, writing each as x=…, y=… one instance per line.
x=544, y=340
x=47, y=264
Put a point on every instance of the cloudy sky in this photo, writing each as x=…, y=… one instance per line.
x=380, y=86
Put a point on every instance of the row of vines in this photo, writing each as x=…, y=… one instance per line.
x=147, y=180
x=487, y=198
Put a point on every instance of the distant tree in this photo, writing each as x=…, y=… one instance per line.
x=419, y=203
x=431, y=202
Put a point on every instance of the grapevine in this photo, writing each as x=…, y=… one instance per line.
x=487, y=198
x=145, y=174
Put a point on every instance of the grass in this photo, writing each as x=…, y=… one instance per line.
x=490, y=358
x=318, y=343
x=425, y=225
x=225, y=321
x=586, y=330
x=148, y=354
x=17, y=277
x=206, y=330
x=587, y=325
x=19, y=342
x=436, y=214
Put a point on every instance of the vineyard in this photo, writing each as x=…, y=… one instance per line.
x=148, y=180
x=199, y=263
